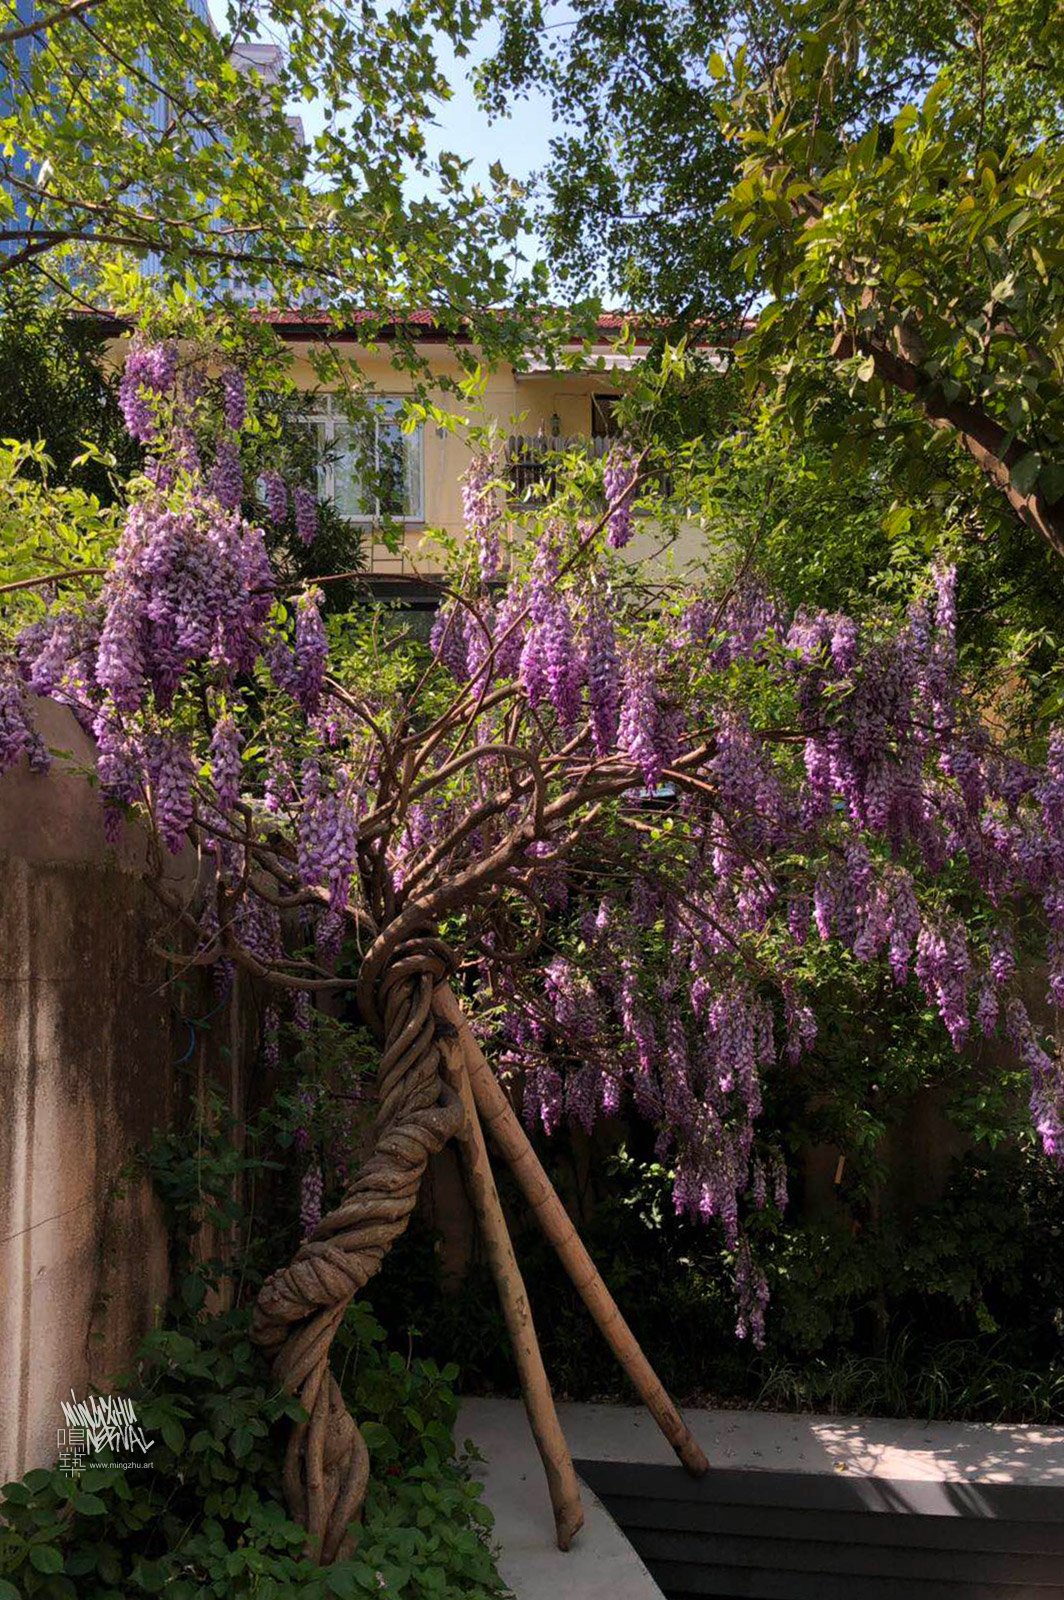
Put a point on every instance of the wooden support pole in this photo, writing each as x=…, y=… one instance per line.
x=505, y=1130
x=562, y=1483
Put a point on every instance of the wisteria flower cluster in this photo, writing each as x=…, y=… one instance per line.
x=618, y=479
x=147, y=378
x=483, y=513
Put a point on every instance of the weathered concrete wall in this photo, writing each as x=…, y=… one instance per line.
x=90, y=1044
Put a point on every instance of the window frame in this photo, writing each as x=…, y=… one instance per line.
x=323, y=417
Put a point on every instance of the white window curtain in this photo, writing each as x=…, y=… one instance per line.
x=370, y=471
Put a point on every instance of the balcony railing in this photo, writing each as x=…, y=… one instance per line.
x=531, y=461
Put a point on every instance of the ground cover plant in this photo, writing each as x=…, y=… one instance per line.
x=208, y=1518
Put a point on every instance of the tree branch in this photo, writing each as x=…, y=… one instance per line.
x=984, y=438
x=42, y=24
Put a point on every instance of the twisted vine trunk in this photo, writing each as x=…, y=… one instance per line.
x=404, y=993
x=301, y=1306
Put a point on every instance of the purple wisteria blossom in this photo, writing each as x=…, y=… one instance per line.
x=482, y=511
x=226, y=766
x=645, y=733
x=563, y=664
x=234, y=398
x=603, y=678
x=448, y=640
x=328, y=833
x=305, y=507
x=618, y=477
x=227, y=475
x=509, y=632
x=311, y=649
x=148, y=376
x=170, y=768
x=18, y=736
x=275, y=493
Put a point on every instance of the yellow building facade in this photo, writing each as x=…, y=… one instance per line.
x=529, y=408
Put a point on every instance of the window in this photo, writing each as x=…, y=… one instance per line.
x=604, y=420
x=370, y=471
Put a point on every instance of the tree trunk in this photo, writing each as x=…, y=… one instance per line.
x=300, y=1307
x=404, y=992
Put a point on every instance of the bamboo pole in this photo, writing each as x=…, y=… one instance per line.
x=562, y=1483
x=505, y=1130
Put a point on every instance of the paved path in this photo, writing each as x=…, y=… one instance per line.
x=603, y=1566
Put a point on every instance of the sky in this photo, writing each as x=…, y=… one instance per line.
x=520, y=142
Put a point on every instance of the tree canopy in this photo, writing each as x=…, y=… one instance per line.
x=646, y=154
x=150, y=134
x=918, y=246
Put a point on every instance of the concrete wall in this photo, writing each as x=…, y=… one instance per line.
x=90, y=1039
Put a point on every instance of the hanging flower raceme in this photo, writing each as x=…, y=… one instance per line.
x=448, y=640
x=509, y=633
x=563, y=663
x=603, y=677
x=57, y=657
x=618, y=479
x=227, y=476
x=328, y=833
x=18, y=736
x=275, y=494
x=171, y=773
x=540, y=602
x=234, y=398
x=645, y=733
x=482, y=512
x=226, y=767
x=147, y=378
x=188, y=586
x=305, y=508
x=311, y=649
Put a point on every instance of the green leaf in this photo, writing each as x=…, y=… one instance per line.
x=193, y=1290
x=1051, y=481
x=1024, y=474
x=173, y=1434
x=46, y=1558
x=241, y=1442
x=717, y=66
x=90, y=1505
x=150, y=1576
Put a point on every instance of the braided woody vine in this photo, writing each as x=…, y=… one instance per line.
x=577, y=762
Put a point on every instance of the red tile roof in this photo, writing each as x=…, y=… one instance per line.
x=609, y=324
x=293, y=322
